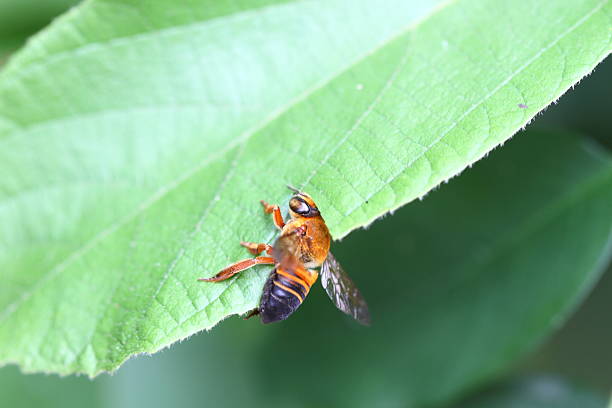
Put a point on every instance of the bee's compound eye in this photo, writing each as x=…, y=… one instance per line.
x=298, y=206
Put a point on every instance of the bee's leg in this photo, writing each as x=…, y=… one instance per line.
x=276, y=213
x=239, y=267
x=252, y=313
x=256, y=248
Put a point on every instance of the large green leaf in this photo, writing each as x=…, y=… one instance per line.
x=137, y=139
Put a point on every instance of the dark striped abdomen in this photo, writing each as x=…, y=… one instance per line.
x=283, y=293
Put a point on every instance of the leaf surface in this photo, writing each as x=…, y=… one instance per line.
x=138, y=139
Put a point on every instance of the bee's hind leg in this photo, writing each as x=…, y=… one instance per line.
x=239, y=267
x=252, y=313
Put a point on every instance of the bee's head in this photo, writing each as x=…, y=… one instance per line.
x=301, y=205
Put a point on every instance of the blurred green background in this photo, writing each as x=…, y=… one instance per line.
x=246, y=364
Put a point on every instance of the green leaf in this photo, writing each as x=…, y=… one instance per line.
x=536, y=392
x=138, y=142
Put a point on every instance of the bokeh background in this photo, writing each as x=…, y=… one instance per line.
x=247, y=364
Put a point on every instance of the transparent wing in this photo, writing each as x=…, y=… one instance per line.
x=342, y=290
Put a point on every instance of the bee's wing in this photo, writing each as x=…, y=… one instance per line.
x=283, y=250
x=342, y=290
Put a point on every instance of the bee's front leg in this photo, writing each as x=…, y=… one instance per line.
x=276, y=214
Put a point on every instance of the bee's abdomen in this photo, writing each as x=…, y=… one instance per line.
x=283, y=293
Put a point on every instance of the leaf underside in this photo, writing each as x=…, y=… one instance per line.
x=138, y=146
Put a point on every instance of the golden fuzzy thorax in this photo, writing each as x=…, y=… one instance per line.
x=308, y=239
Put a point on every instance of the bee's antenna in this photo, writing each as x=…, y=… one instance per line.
x=295, y=190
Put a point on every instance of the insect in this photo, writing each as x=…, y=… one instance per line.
x=302, y=246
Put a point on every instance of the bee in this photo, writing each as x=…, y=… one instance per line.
x=303, y=246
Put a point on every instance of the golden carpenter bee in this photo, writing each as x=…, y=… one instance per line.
x=302, y=246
